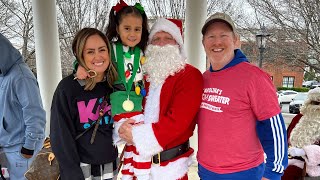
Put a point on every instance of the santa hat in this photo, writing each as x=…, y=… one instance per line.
x=171, y=26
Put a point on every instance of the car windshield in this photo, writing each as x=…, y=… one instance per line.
x=301, y=96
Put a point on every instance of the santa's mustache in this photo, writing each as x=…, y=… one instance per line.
x=162, y=61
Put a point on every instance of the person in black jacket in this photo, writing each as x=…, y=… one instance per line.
x=83, y=149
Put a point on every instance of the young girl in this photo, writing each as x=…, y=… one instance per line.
x=128, y=32
x=81, y=126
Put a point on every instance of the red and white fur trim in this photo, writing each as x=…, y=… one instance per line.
x=146, y=143
x=296, y=162
x=143, y=135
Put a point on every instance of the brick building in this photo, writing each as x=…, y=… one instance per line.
x=284, y=75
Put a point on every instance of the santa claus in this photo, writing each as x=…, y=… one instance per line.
x=304, y=138
x=172, y=103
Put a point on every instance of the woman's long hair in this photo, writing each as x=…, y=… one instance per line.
x=77, y=48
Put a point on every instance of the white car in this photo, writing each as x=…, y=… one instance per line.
x=315, y=86
x=286, y=96
x=309, y=84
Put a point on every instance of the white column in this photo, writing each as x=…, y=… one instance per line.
x=196, y=14
x=47, y=51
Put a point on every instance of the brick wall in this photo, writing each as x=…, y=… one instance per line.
x=280, y=71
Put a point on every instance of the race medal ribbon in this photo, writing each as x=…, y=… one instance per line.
x=127, y=105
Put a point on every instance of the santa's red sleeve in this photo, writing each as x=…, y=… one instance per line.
x=292, y=125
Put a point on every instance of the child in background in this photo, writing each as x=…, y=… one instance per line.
x=128, y=32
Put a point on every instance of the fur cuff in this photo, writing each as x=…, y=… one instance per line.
x=145, y=141
x=296, y=162
x=174, y=170
x=312, y=155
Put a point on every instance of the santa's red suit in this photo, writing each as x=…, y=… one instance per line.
x=304, y=137
x=171, y=106
x=171, y=109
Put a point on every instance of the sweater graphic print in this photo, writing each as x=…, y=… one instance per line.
x=213, y=95
x=88, y=114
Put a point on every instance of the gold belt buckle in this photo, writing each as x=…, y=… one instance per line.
x=158, y=155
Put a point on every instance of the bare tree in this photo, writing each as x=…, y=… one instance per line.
x=165, y=8
x=74, y=15
x=17, y=25
x=5, y=16
x=300, y=24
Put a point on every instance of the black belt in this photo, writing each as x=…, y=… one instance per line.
x=171, y=153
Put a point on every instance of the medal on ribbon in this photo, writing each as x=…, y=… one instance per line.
x=127, y=105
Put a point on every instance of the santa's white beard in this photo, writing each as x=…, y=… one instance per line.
x=307, y=131
x=162, y=61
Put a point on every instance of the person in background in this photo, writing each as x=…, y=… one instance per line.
x=171, y=105
x=128, y=32
x=81, y=125
x=22, y=117
x=304, y=139
x=239, y=117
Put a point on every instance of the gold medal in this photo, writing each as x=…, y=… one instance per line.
x=128, y=105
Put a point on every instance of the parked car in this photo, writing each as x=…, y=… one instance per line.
x=296, y=103
x=315, y=86
x=286, y=96
x=309, y=84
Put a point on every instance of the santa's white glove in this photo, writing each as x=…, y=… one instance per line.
x=293, y=151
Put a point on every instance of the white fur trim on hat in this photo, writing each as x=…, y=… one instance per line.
x=166, y=25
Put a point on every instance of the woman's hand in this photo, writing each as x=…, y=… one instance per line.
x=82, y=73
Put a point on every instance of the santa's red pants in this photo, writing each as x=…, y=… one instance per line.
x=292, y=173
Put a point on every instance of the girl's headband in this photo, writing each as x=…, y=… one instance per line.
x=122, y=4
